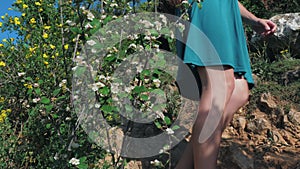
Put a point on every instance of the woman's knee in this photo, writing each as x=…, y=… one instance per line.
x=242, y=89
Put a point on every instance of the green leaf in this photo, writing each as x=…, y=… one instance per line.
x=176, y=127
x=48, y=108
x=104, y=91
x=29, y=91
x=45, y=100
x=144, y=97
x=38, y=91
x=167, y=120
x=107, y=108
x=56, y=92
x=76, y=30
x=139, y=89
x=158, y=125
x=48, y=126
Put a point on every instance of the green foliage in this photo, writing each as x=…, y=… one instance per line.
x=38, y=124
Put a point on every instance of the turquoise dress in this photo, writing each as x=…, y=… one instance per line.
x=216, y=37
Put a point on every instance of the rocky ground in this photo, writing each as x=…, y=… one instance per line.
x=268, y=138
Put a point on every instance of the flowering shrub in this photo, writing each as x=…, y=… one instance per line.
x=38, y=125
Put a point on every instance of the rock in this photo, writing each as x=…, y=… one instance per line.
x=242, y=122
x=133, y=165
x=291, y=76
x=262, y=124
x=277, y=138
x=287, y=35
x=251, y=127
x=267, y=102
x=294, y=117
x=241, y=158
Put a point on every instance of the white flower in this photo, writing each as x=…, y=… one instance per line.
x=184, y=2
x=156, y=46
x=147, y=38
x=56, y=157
x=94, y=50
x=99, y=84
x=70, y=23
x=128, y=89
x=181, y=26
x=156, y=163
x=91, y=42
x=74, y=161
x=36, y=85
x=90, y=16
x=64, y=81
x=97, y=105
x=169, y=131
x=158, y=25
x=156, y=82
x=103, y=17
x=132, y=46
x=147, y=24
x=163, y=19
x=101, y=77
x=114, y=88
x=113, y=5
x=172, y=34
x=114, y=17
x=88, y=26
x=21, y=74
x=35, y=100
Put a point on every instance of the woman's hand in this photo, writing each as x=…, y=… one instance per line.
x=263, y=26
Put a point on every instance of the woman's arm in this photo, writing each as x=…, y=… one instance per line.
x=262, y=26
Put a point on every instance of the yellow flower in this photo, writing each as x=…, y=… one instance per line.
x=1, y=24
x=45, y=56
x=47, y=27
x=12, y=48
x=52, y=46
x=66, y=46
x=31, y=49
x=46, y=63
x=2, y=64
x=17, y=21
x=4, y=40
x=45, y=35
x=59, y=25
x=29, y=86
x=32, y=21
x=12, y=39
x=19, y=1
x=10, y=9
x=8, y=110
x=2, y=99
x=2, y=17
x=56, y=54
x=3, y=111
x=25, y=6
x=37, y=3
x=41, y=9
x=23, y=14
x=1, y=45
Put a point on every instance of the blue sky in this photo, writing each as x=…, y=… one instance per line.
x=5, y=4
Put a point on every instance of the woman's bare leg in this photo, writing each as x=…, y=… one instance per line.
x=238, y=98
